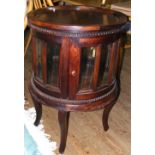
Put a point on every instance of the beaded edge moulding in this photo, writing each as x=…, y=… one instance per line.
x=80, y=34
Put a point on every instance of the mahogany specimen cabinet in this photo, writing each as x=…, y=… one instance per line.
x=75, y=61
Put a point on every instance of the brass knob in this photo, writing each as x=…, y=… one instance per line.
x=73, y=73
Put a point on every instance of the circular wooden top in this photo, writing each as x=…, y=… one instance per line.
x=76, y=18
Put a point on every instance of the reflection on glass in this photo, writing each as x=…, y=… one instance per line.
x=104, y=65
x=87, y=67
x=53, y=51
x=39, y=55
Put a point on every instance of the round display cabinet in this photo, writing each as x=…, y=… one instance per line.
x=75, y=60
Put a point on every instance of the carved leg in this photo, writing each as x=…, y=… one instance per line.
x=38, y=108
x=105, y=116
x=63, y=118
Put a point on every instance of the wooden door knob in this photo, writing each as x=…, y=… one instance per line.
x=73, y=73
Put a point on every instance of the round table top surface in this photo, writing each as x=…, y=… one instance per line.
x=76, y=18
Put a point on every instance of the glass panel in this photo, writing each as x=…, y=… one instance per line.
x=104, y=65
x=53, y=51
x=87, y=67
x=39, y=46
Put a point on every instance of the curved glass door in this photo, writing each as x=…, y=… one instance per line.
x=87, y=67
x=39, y=68
x=47, y=61
x=104, y=65
x=53, y=52
x=95, y=67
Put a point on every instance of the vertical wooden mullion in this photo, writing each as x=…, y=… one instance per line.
x=74, y=70
x=113, y=54
x=119, y=58
x=96, y=66
x=63, y=67
x=34, y=55
x=44, y=62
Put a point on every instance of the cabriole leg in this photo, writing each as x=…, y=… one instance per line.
x=38, y=108
x=63, y=118
x=105, y=116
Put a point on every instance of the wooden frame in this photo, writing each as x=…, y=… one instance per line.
x=68, y=96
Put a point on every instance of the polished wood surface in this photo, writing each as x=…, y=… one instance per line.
x=86, y=134
x=63, y=118
x=76, y=17
x=60, y=29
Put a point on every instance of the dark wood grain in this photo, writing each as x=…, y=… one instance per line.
x=113, y=56
x=83, y=35
x=38, y=108
x=63, y=118
x=105, y=116
x=63, y=68
x=69, y=17
x=74, y=70
x=96, y=66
